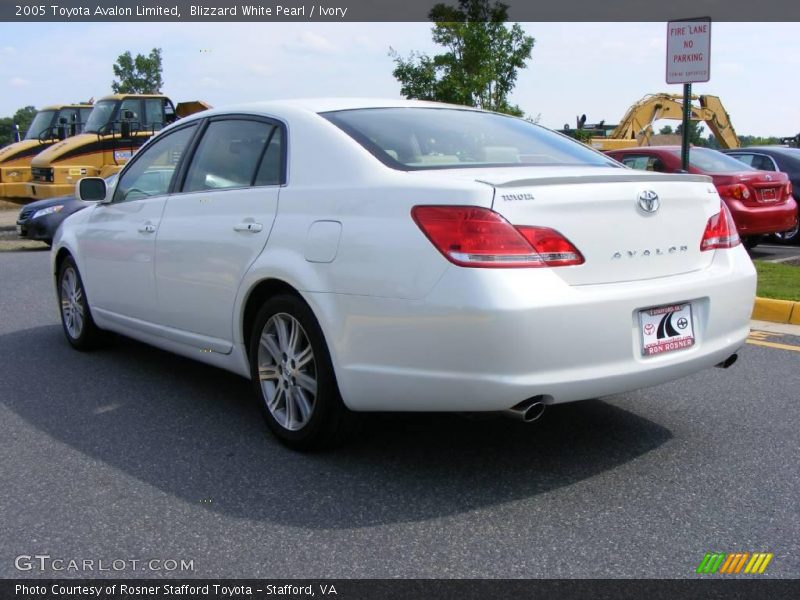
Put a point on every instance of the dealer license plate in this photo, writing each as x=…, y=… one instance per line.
x=666, y=328
x=769, y=195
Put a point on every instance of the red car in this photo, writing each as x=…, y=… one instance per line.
x=760, y=202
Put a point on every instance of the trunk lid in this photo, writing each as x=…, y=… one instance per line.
x=599, y=211
x=766, y=188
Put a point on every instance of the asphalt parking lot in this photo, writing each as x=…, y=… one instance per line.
x=131, y=453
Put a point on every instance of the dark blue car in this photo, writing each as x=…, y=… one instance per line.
x=40, y=220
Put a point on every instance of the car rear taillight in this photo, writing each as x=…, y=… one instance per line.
x=738, y=191
x=554, y=248
x=789, y=189
x=720, y=231
x=471, y=236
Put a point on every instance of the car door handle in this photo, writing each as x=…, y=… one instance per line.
x=248, y=226
x=147, y=228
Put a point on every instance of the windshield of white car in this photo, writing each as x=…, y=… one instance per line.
x=445, y=138
x=100, y=116
x=711, y=161
x=40, y=124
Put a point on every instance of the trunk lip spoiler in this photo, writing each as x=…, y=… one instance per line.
x=582, y=179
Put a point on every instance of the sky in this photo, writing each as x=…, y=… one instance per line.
x=597, y=69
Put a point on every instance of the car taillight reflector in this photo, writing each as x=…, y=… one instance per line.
x=471, y=236
x=720, y=231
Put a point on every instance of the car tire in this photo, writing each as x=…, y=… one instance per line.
x=76, y=317
x=792, y=236
x=751, y=241
x=293, y=377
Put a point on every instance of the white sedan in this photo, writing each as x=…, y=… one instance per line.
x=353, y=255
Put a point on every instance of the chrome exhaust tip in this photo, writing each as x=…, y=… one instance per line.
x=728, y=361
x=528, y=410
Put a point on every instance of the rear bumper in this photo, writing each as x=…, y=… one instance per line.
x=486, y=339
x=764, y=219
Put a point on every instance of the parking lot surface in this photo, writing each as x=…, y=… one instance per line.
x=131, y=453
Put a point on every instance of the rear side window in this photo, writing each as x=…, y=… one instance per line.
x=270, y=172
x=711, y=161
x=745, y=158
x=228, y=155
x=154, y=113
x=762, y=163
x=644, y=163
x=443, y=138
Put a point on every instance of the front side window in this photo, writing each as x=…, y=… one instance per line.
x=40, y=125
x=151, y=173
x=228, y=155
x=442, y=138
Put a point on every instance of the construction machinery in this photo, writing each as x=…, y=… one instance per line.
x=116, y=128
x=50, y=125
x=636, y=127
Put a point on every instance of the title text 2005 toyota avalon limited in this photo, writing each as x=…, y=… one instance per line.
x=351, y=255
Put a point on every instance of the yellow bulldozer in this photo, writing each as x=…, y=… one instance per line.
x=116, y=128
x=51, y=124
x=636, y=127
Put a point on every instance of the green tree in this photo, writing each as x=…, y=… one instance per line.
x=481, y=59
x=139, y=75
x=666, y=130
x=22, y=117
x=695, y=133
x=5, y=131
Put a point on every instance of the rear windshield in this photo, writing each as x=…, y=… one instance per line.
x=443, y=138
x=712, y=161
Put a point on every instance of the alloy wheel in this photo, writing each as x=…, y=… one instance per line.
x=71, y=303
x=287, y=371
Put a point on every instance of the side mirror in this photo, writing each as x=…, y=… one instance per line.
x=91, y=189
x=128, y=115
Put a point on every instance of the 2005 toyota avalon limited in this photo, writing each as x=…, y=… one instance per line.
x=352, y=255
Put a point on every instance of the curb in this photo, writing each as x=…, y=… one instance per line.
x=776, y=311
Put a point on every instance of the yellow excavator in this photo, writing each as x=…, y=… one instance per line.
x=636, y=127
x=116, y=128
x=50, y=125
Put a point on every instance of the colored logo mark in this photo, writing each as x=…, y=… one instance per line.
x=737, y=562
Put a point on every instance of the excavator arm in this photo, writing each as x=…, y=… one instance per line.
x=636, y=127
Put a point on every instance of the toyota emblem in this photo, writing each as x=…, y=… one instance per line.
x=648, y=201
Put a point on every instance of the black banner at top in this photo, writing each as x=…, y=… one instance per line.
x=388, y=10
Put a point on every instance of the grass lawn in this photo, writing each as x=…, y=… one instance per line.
x=779, y=281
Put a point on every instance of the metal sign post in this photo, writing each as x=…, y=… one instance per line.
x=688, y=61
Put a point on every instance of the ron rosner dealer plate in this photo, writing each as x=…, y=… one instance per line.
x=666, y=328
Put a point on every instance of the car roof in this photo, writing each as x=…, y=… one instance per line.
x=645, y=148
x=766, y=149
x=320, y=105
